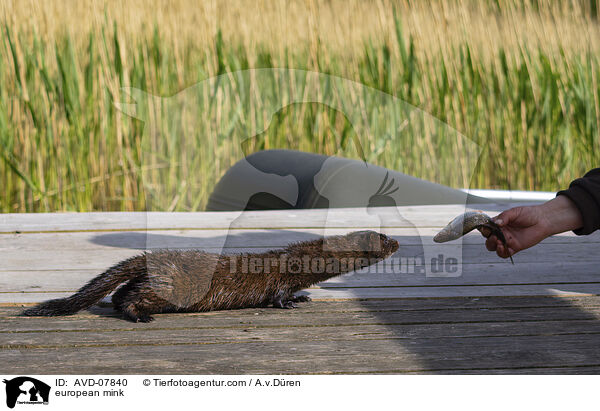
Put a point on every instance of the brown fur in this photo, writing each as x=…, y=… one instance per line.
x=192, y=280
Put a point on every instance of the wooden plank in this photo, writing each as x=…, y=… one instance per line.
x=458, y=291
x=364, y=312
x=311, y=316
x=399, y=336
x=333, y=356
x=583, y=303
x=476, y=280
x=212, y=239
x=425, y=216
x=250, y=334
x=30, y=298
x=385, y=274
x=100, y=259
x=382, y=275
x=324, y=313
x=337, y=293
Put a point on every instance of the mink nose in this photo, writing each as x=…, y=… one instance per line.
x=388, y=242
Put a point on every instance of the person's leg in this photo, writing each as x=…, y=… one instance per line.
x=323, y=182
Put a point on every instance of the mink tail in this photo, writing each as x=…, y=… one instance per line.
x=98, y=288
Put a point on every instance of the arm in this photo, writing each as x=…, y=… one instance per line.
x=524, y=227
x=585, y=193
x=576, y=209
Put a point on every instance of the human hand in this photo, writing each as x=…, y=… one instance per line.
x=524, y=227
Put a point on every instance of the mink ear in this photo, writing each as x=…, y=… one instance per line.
x=373, y=237
x=369, y=242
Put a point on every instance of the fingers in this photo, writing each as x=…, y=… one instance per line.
x=504, y=251
x=505, y=217
x=494, y=244
x=501, y=251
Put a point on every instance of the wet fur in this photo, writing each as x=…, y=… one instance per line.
x=194, y=281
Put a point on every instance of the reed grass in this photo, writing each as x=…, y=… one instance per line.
x=518, y=77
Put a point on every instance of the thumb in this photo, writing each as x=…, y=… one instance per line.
x=505, y=217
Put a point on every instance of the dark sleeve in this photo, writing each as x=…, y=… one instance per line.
x=585, y=193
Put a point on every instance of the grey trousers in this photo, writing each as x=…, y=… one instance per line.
x=287, y=179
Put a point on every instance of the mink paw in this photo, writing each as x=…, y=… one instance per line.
x=138, y=318
x=284, y=304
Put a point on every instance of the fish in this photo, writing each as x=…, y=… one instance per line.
x=466, y=223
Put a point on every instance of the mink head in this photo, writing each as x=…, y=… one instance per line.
x=370, y=244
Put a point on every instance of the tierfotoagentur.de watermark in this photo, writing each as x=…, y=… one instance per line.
x=321, y=265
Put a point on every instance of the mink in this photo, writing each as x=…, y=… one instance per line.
x=194, y=281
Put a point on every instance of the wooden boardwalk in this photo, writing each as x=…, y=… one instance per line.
x=541, y=315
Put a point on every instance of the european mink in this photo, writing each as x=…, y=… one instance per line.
x=192, y=280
